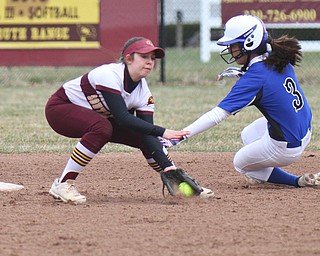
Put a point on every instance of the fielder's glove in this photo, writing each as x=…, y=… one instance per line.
x=232, y=72
x=171, y=143
x=172, y=178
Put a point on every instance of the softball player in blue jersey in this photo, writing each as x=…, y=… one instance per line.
x=267, y=81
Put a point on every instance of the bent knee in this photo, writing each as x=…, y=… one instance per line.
x=245, y=135
x=237, y=164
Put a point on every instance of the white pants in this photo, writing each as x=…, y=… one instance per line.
x=261, y=153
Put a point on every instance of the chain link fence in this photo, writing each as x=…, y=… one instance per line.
x=182, y=19
x=182, y=65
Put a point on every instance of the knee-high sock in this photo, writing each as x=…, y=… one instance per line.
x=279, y=176
x=79, y=159
x=162, y=162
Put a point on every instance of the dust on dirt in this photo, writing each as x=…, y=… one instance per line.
x=127, y=215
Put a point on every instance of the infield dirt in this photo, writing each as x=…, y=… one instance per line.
x=127, y=215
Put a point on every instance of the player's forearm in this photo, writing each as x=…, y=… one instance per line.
x=142, y=124
x=207, y=120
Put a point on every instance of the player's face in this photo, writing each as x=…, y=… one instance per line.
x=235, y=50
x=141, y=65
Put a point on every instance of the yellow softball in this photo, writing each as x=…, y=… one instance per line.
x=186, y=189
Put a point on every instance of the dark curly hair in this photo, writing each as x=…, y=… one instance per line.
x=285, y=50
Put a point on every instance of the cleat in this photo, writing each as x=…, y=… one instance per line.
x=206, y=193
x=252, y=180
x=66, y=192
x=309, y=180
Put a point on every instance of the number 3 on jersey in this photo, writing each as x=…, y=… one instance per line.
x=291, y=88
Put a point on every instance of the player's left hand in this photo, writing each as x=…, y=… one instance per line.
x=172, y=178
x=172, y=134
x=232, y=72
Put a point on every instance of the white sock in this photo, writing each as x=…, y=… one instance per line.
x=79, y=159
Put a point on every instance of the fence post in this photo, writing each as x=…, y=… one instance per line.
x=179, y=30
x=207, y=22
x=162, y=41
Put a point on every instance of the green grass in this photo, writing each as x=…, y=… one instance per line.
x=182, y=67
x=24, y=129
x=196, y=100
x=190, y=90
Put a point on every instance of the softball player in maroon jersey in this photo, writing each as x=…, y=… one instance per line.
x=111, y=103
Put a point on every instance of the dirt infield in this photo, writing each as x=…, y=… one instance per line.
x=127, y=215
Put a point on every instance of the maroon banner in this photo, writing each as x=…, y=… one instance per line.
x=44, y=42
x=274, y=11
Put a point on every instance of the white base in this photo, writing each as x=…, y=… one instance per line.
x=4, y=186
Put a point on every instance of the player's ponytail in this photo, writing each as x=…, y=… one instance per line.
x=285, y=50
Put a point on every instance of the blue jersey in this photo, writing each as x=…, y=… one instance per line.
x=279, y=97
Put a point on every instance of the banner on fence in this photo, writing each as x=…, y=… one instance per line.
x=49, y=24
x=274, y=11
x=72, y=32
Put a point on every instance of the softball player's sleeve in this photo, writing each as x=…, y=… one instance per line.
x=120, y=113
x=207, y=120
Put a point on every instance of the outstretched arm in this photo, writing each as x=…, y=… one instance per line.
x=203, y=123
x=207, y=120
x=143, y=124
